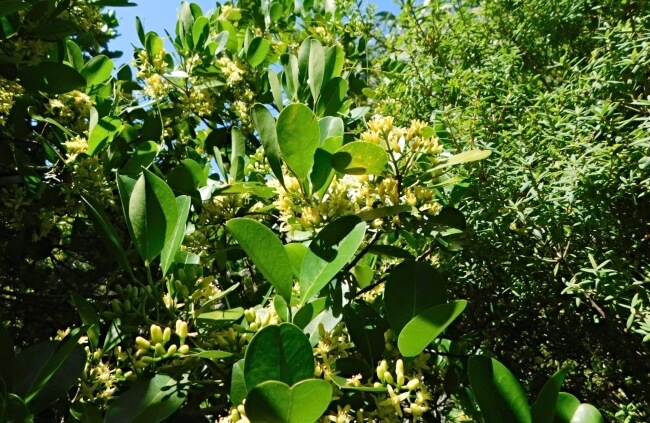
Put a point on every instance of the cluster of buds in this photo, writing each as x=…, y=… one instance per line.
x=132, y=300
x=156, y=349
x=401, y=388
x=238, y=414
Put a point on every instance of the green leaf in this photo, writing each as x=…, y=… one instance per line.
x=148, y=401
x=265, y=125
x=45, y=371
x=298, y=136
x=238, y=390
x=266, y=251
x=308, y=312
x=171, y=246
x=229, y=315
x=464, y=157
x=280, y=353
x=543, y=409
x=238, y=155
x=103, y=133
x=274, y=84
x=88, y=316
x=329, y=252
x=97, y=70
x=51, y=78
x=257, y=51
x=330, y=126
x=334, y=61
x=276, y=402
x=363, y=274
x=296, y=253
x=153, y=215
x=412, y=287
x=568, y=409
x=426, y=326
x=281, y=308
x=290, y=75
x=316, y=67
x=200, y=32
x=74, y=55
x=498, y=394
x=107, y=231
x=332, y=97
x=323, y=172
x=366, y=328
x=143, y=156
x=360, y=158
x=139, y=29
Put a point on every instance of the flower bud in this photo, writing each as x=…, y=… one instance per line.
x=142, y=343
x=381, y=369
x=183, y=349
x=388, y=377
x=167, y=334
x=172, y=350
x=241, y=409
x=156, y=334
x=181, y=329
x=413, y=384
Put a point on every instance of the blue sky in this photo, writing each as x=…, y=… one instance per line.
x=158, y=15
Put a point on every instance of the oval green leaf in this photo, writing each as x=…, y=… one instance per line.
x=52, y=78
x=281, y=353
x=329, y=252
x=412, y=287
x=360, y=158
x=257, y=51
x=276, y=402
x=265, y=125
x=568, y=409
x=171, y=246
x=148, y=401
x=97, y=70
x=498, y=394
x=153, y=215
x=426, y=326
x=544, y=408
x=298, y=135
x=266, y=251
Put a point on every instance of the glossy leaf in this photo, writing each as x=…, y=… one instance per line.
x=200, y=32
x=52, y=78
x=257, y=51
x=334, y=61
x=329, y=252
x=265, y=125
x=238, y=390
x=148, y=401
x=298, y=136
x=143, y=156
x=266, y=251
x=316, y=67
x=464, y=157
x=171, y=246
x=418, y=333
x=45, y=371
x=568, y=409
x=330, y=126
x=498, y=394
x=106, y=129
x=543, y=410
x=308, y=312
x=274, y=84
x=366, y=328
x=74, y=55
x=153, y=215
x=97, y=70
x=280, y=353
x=412, y=287
x=332, y=97
x=238, y=155
x=276, y=402
x=296, y=253
x=323, y=172
x=282, y=308
x=89, y=317
x=360, y=158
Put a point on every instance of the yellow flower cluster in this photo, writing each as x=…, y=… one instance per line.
x=75, y=146
x=8, y=91
x=71, y=109
x=158, y=347
x=231, y=70
x=331, y=346
x=402, y=390
x=147, y=67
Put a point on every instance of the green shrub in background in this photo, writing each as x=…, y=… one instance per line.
x=557, y=256
x=254, y=228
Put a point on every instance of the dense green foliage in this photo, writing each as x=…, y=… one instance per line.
x=303, y=214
